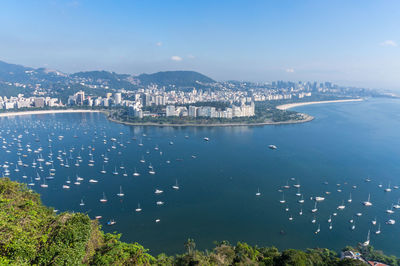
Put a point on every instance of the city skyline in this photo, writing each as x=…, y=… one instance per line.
x=349, y=43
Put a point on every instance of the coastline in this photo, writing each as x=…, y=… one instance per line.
x=307, y=118
x=41, y=112
x=292, y=105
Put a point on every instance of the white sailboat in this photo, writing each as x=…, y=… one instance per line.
x=120, y=194
x=135, y=173
x=342, y=206
x=315, y=209
x=176, y=186
x=283, y=199
x=377, y=232
x=350, y=199
x=388, y=189
x=258, y=193
x=368, y=202
x=103, y=199
x=138, y=209
x=366, y=243
x=319, y=229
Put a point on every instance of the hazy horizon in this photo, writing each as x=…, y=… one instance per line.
x=348, y=43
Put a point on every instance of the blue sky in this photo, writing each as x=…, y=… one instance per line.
x=348, y=42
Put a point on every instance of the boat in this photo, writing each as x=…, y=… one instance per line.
x=374, y=221
x=301, y=200
x=258, y=193
x=159, y=203
x=135, y=173
x=366, y=243
x=158, y=220
x=283, y=199
x=319, y=198
x=66, y=187
x=388, y=189
x=298, y=194
x=103, y=199
x=314, y=220
x=319, y=229
x=111, y=222
x=341, y=207
x=44, y=185
x=272, y=147
x=330, y=226
x=158, y=191
x=397, y=205
x=390, y=210
x=315, y=208
x=82, y=203
x=98, y=217
x=330, y=219
x=206, y=139
x=138, y=209
x=290, y=218
x=176, y=186
x=353, y=226
x=350, y=199
x=390, y=222
x=93, y=181
x=120, y=194
x=115, y=171
x=103, y=171
x=368, y=202
x=301, y=212
x=377, y=232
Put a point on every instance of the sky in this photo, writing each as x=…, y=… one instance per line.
x=354, y=43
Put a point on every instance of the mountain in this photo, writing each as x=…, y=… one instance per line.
x=175, y=78
x=16, y=79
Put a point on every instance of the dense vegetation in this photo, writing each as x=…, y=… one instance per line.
x=31, y=233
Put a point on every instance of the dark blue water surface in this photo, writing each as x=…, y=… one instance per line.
x=218, y=179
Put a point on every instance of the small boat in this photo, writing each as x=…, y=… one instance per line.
x=377, y=232
x=176, y=186
x=206, y=139
x=330, y=219
x=138, y=209
x=342, y=206
x=283, y=199
x=98, y=217
x=44, y=185
x=258, y=193
x=93, y=181
x=314, y=220
x=330, y=226
x=388, y=189
x=103, y=171
x=290, y=218
x=368, y=202
x=319, y=229
x=120, y=194
x=103, y=199
x=158, y=220
x=390, y=222
x=65, y=187
x=82, y=203
x=135, y=173
x=315, y=208
x=158, y=191
x=159, y=203
x=111, y=222
x=390, y=210
x=366, y=243
x=301, y=212
x=350, y=199
x=374, y=221
x=272, y=147
x=319, y=198
x=301, y=200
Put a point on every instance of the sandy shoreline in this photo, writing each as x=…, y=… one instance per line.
x=292, y=105
x=41, y=112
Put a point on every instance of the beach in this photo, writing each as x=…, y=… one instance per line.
x=292, y=105
x=41, y=112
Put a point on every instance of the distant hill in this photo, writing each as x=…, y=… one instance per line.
x=177, y=78
x=55, y=81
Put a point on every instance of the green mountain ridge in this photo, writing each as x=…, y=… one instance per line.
x=33, y=234
x=55, y=80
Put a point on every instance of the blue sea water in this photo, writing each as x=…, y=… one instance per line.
x=218, y=179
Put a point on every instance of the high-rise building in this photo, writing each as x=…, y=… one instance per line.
x=118, y=98
x=39, y=102
x=170, y=110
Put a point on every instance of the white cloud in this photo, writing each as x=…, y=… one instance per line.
x=289, y=70
x=389, y=43
x=159, y=44
x=176, y=58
